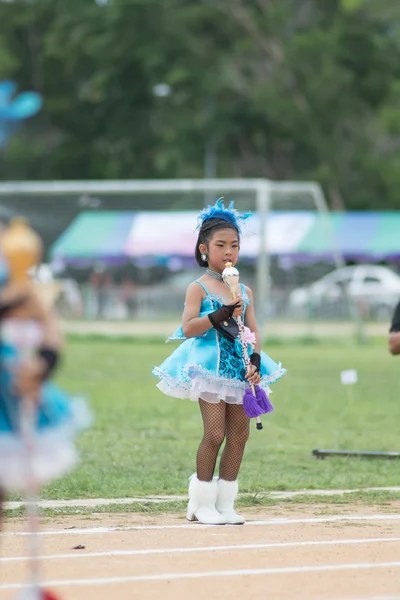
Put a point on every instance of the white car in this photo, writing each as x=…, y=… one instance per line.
x=374, y=289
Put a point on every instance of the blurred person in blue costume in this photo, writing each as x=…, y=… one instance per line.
x=394, y=333
x=30, y=347
x=208, y=366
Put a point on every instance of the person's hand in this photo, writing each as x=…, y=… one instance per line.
x=253, y=376
x=233, y=308
x=29, y=378
x=238, y=302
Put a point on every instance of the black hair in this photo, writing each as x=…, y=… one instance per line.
x=207, y=229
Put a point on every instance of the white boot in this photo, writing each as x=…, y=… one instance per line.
x=202, y=497
x=227, y=492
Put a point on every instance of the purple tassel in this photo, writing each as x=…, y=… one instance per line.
x=263, y=400
x=257, y=405
x=250, y=404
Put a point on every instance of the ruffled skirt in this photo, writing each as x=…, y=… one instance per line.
x=52, y=453
x=195, y=370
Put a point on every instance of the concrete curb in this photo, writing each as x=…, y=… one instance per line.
x=93, y=502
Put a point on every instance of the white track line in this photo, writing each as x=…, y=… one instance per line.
x=110, y=553
x=93, y=502
x=282, y=521
x=372, y=598
x=201, y=575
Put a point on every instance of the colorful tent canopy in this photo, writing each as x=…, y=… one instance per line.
x=159, y=236
x=356, y=235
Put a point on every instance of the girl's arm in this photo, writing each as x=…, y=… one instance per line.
x=394, y=336
x=250, y=320
x=24, y=301
x=52, y=333
x=192, y=324
x=33, y=371
x=12, y=297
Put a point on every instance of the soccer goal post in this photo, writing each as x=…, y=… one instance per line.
x=292, y=244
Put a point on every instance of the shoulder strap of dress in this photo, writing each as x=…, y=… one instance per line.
x=203, y=286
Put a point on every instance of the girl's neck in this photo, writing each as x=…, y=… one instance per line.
x=214, y=273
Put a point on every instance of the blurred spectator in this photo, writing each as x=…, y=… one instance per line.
x=100, y=284
x=394, y=335
x=105, y=296
x=128, y=295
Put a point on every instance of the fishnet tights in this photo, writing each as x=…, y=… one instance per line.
x=222, y=421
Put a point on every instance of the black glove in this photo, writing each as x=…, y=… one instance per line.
x=255, y=360
x=222, y=320
x=51, y=357
x=16, y=303
x=222, y=314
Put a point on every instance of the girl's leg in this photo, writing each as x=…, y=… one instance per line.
x=214, y=433
x=203, y=489
x=237, y=433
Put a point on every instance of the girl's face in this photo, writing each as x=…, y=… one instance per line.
x=223, y=247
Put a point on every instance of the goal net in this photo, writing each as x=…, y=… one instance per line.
x=123, y=250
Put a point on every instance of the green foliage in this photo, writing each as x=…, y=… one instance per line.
x=295, y=89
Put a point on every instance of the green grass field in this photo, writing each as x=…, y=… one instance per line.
x=145, y=443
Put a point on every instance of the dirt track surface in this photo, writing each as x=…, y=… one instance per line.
x=310, y=553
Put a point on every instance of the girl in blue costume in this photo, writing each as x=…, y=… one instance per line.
x=208, y=367
x=30, y=345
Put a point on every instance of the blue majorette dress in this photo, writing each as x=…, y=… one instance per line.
x=210, y=366
x=58, y=417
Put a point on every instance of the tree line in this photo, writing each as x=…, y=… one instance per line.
x=283, y=89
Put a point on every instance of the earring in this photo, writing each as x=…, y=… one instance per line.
x=204, y=257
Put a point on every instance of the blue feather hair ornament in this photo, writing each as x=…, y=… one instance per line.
x=218, y=211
